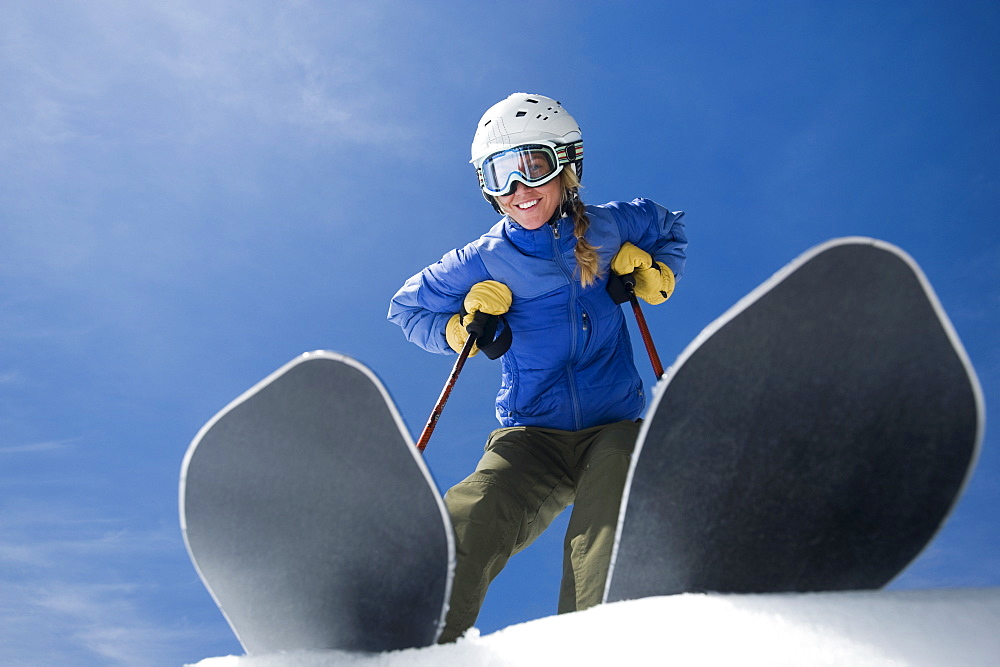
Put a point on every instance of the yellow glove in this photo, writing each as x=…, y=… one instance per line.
x=654, y=283
x=489, y=297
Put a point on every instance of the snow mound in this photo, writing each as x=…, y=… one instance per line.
x=940, y=627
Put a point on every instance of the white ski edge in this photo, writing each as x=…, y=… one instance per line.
x=400, y=424
x=751, y=298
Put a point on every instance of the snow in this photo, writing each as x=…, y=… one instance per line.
x=935, y=627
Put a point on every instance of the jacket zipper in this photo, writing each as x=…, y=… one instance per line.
x=571, y=375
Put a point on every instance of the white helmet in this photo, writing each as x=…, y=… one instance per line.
x=522, y=119
x=526, y=120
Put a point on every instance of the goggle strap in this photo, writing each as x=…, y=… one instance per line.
x=569, y=153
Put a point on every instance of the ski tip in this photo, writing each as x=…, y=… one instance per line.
x=323, y=354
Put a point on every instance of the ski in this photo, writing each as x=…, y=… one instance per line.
x=814, y=437
x=311, y=518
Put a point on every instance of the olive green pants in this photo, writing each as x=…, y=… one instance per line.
x=527, y=476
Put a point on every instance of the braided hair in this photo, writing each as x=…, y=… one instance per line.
x=588, y=261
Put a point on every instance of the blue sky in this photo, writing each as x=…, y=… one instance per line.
x=194, y=193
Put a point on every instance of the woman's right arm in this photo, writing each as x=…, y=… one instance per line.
x=425, y=302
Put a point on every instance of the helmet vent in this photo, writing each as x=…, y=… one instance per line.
x=520, y=113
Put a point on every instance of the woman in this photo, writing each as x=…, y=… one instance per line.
x=570, y=395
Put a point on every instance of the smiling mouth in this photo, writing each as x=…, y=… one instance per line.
x=528, y=204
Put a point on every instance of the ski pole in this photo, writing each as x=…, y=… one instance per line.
x=474, y=329
x=654, y=358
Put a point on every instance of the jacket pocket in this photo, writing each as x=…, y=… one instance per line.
x=507, y=396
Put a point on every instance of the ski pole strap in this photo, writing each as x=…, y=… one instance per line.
x=493, y=334
x=620, y=287
x=499, y=342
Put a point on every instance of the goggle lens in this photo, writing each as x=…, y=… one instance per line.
x=533, y=165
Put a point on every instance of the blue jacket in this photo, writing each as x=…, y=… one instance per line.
x=570, y=363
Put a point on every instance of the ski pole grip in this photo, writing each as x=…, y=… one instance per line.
x=478, y=324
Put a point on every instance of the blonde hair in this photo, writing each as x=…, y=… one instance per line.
x=588, y=261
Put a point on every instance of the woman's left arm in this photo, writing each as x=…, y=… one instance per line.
x=656, y=230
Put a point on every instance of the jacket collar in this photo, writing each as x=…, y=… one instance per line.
x=538, y=242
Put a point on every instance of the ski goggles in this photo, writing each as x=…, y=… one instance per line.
x=532, y=164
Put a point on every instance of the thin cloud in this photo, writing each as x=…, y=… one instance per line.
x=75, y=596
x=92, y=623
x=38, y=447
x=148, y=115
x=188, y=71
x=10, y=378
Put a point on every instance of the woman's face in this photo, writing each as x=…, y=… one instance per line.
x=532, y=207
